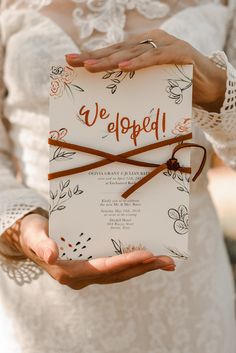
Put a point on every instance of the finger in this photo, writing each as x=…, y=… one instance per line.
x=78, y=59
x=139, y=271
x=157, y=56
x=35, y=239
x=125, y=275
x=92, y=269
x=122, y=262
x=111, y=62
x=157, y=35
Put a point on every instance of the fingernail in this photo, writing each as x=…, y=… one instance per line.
x=47, y=255
x=169, y=268
x=72, y=56
x=124, y=63
x=90, y=62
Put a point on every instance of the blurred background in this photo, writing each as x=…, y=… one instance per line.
x=222, y=186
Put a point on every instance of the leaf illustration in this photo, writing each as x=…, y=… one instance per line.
x=64, y=155
x=78, y=87
x=187, y=178
x=62, y=195
x=67, y=183
x=117, y=246
x=60, y=154
x=180, y=227
x=61, y=207
x=186, y=220
x=119, y=73
x=114, y=89
x=69, y=193
x=61, y=186
x=107, y=75
x=180, y=188
x=182, y=211
x=179, y=100
x=178, y=254
x=111, y=86
x=180, y=177
x=77, y=191
x=172, y=213
x=131, y=74
x=115, y=80
x=51, y=195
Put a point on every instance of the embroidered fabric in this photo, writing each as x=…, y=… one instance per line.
x=189, y=311
x=109, y=17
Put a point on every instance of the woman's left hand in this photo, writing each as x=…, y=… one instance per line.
x=209, y=81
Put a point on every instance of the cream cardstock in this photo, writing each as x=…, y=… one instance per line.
x=116, y=112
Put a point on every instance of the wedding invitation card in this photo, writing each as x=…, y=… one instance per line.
x=120, y=161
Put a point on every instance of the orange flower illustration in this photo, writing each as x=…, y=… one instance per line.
x=62, y=80
x=68, y=75
x=182, y=127
x=57, y=87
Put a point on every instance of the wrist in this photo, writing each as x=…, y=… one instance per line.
x=213, y=82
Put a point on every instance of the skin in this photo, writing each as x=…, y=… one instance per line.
x=209, y=81
x=30, y=234
x=30, y=237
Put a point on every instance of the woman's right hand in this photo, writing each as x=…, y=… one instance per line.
x=31, y=238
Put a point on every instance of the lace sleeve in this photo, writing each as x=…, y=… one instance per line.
x=220, y=128
x=16, y=200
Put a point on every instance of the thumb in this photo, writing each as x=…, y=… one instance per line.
x=34, y=237
x=45, y=248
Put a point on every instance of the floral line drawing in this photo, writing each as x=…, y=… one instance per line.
x=177, y=254
x=181, y=179
x=61, y=81
x=177, y=86
x=116, y=77
x=120, y=248
x=78, y=248
x=181, y=219
x=62, y=195
x=59, y=153
x=182, y=127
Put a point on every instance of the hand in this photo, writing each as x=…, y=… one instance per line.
x=30, y=236
x=209, y=81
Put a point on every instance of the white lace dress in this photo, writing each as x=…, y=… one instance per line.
x=189, y=311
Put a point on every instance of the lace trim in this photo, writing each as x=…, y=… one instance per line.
x=220, y=128
x=225, y=120
x=109, y=17
x=16, y=203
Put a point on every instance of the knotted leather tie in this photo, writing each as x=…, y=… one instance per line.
x=170, y=164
